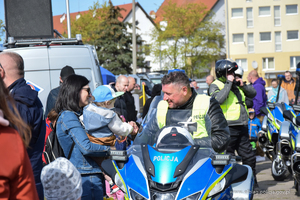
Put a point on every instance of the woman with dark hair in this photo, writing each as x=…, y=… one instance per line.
x=16, y=176
x=73, y=96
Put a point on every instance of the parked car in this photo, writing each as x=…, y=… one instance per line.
x=44, y=59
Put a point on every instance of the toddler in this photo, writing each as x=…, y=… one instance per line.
x=254, y=126
x=101, y=122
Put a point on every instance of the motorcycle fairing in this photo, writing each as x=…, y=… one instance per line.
x=165, y=164
x=134, y=176
x=197, y=181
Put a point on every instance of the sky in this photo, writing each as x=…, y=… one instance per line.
x=59, y=6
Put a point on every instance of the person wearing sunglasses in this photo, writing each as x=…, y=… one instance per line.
x=30, y=108
x=74, y=94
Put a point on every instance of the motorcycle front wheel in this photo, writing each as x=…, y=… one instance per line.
x=279, y=170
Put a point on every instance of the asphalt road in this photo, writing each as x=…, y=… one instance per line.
x=271, y=189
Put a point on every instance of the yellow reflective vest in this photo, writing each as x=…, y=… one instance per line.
x=200, y=108
x=230, y=107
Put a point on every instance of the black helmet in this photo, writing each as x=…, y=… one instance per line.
x=225, y=66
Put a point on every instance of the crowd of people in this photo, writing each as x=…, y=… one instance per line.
x=89, y=123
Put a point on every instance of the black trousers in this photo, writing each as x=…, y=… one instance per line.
x=239, y=141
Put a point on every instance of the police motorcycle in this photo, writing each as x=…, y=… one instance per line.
x=173, y=165
x=268, y=137
x=289, y=144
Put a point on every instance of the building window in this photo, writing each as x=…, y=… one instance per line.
x=238, y=38
x=242, y=63
x=277, y=41
x=277, y=21
x=292, y=35
x=250, y=43
x=249, y=17
x=237, y=12
x=291, y=9
x=294, y=60
x=264, y=11
x=265, y=37
x=268, y=63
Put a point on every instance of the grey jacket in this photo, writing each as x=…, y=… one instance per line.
x=221, y=96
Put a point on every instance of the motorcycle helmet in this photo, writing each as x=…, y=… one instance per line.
x=223, y=67
x=173, y=136
x=239, y=72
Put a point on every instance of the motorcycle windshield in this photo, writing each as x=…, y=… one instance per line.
x=194, y=121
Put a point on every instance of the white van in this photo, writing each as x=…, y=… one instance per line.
x=44, y=59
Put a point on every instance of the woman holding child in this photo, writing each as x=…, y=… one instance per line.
x=73, y=96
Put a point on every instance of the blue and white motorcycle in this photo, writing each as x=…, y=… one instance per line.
x=175, y=167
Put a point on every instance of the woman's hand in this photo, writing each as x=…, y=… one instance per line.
x=3, y=122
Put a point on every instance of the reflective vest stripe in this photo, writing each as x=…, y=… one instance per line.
x=230, y=107
x=161, y=113
x=200, y=108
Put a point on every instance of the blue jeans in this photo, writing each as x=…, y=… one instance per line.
x=92, y=186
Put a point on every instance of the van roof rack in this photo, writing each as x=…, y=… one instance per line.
x=11, y=43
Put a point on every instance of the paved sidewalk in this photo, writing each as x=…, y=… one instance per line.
x=272, y=189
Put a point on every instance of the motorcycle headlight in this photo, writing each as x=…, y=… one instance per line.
x=218, y=188
x=163, y=195
x=136, y=196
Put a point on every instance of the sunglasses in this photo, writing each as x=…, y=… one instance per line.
x=88, y=90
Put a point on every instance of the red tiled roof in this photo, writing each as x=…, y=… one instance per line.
x=208, y=3
x=62, y=27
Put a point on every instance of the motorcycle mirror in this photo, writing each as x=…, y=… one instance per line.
x=287, y=114
x=264, y=110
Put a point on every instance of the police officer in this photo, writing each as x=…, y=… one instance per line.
x=179, y=96
x=231, y=92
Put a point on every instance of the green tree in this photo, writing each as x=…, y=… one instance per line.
x=114, y=42
x=187, y=38
x=1, y=29
x=88, y=24
x=101, y=26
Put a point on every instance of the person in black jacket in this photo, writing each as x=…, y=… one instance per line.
x=120, y=104
x=30, y=108
x=51, y=99
x=180, y=96
x=129, y=100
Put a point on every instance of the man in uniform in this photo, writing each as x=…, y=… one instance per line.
x=231, y=93
x=203, y=110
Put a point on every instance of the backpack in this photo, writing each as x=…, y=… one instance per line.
x=52, y=149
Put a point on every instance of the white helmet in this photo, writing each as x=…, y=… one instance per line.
x=175, y=134
x=239, y=71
